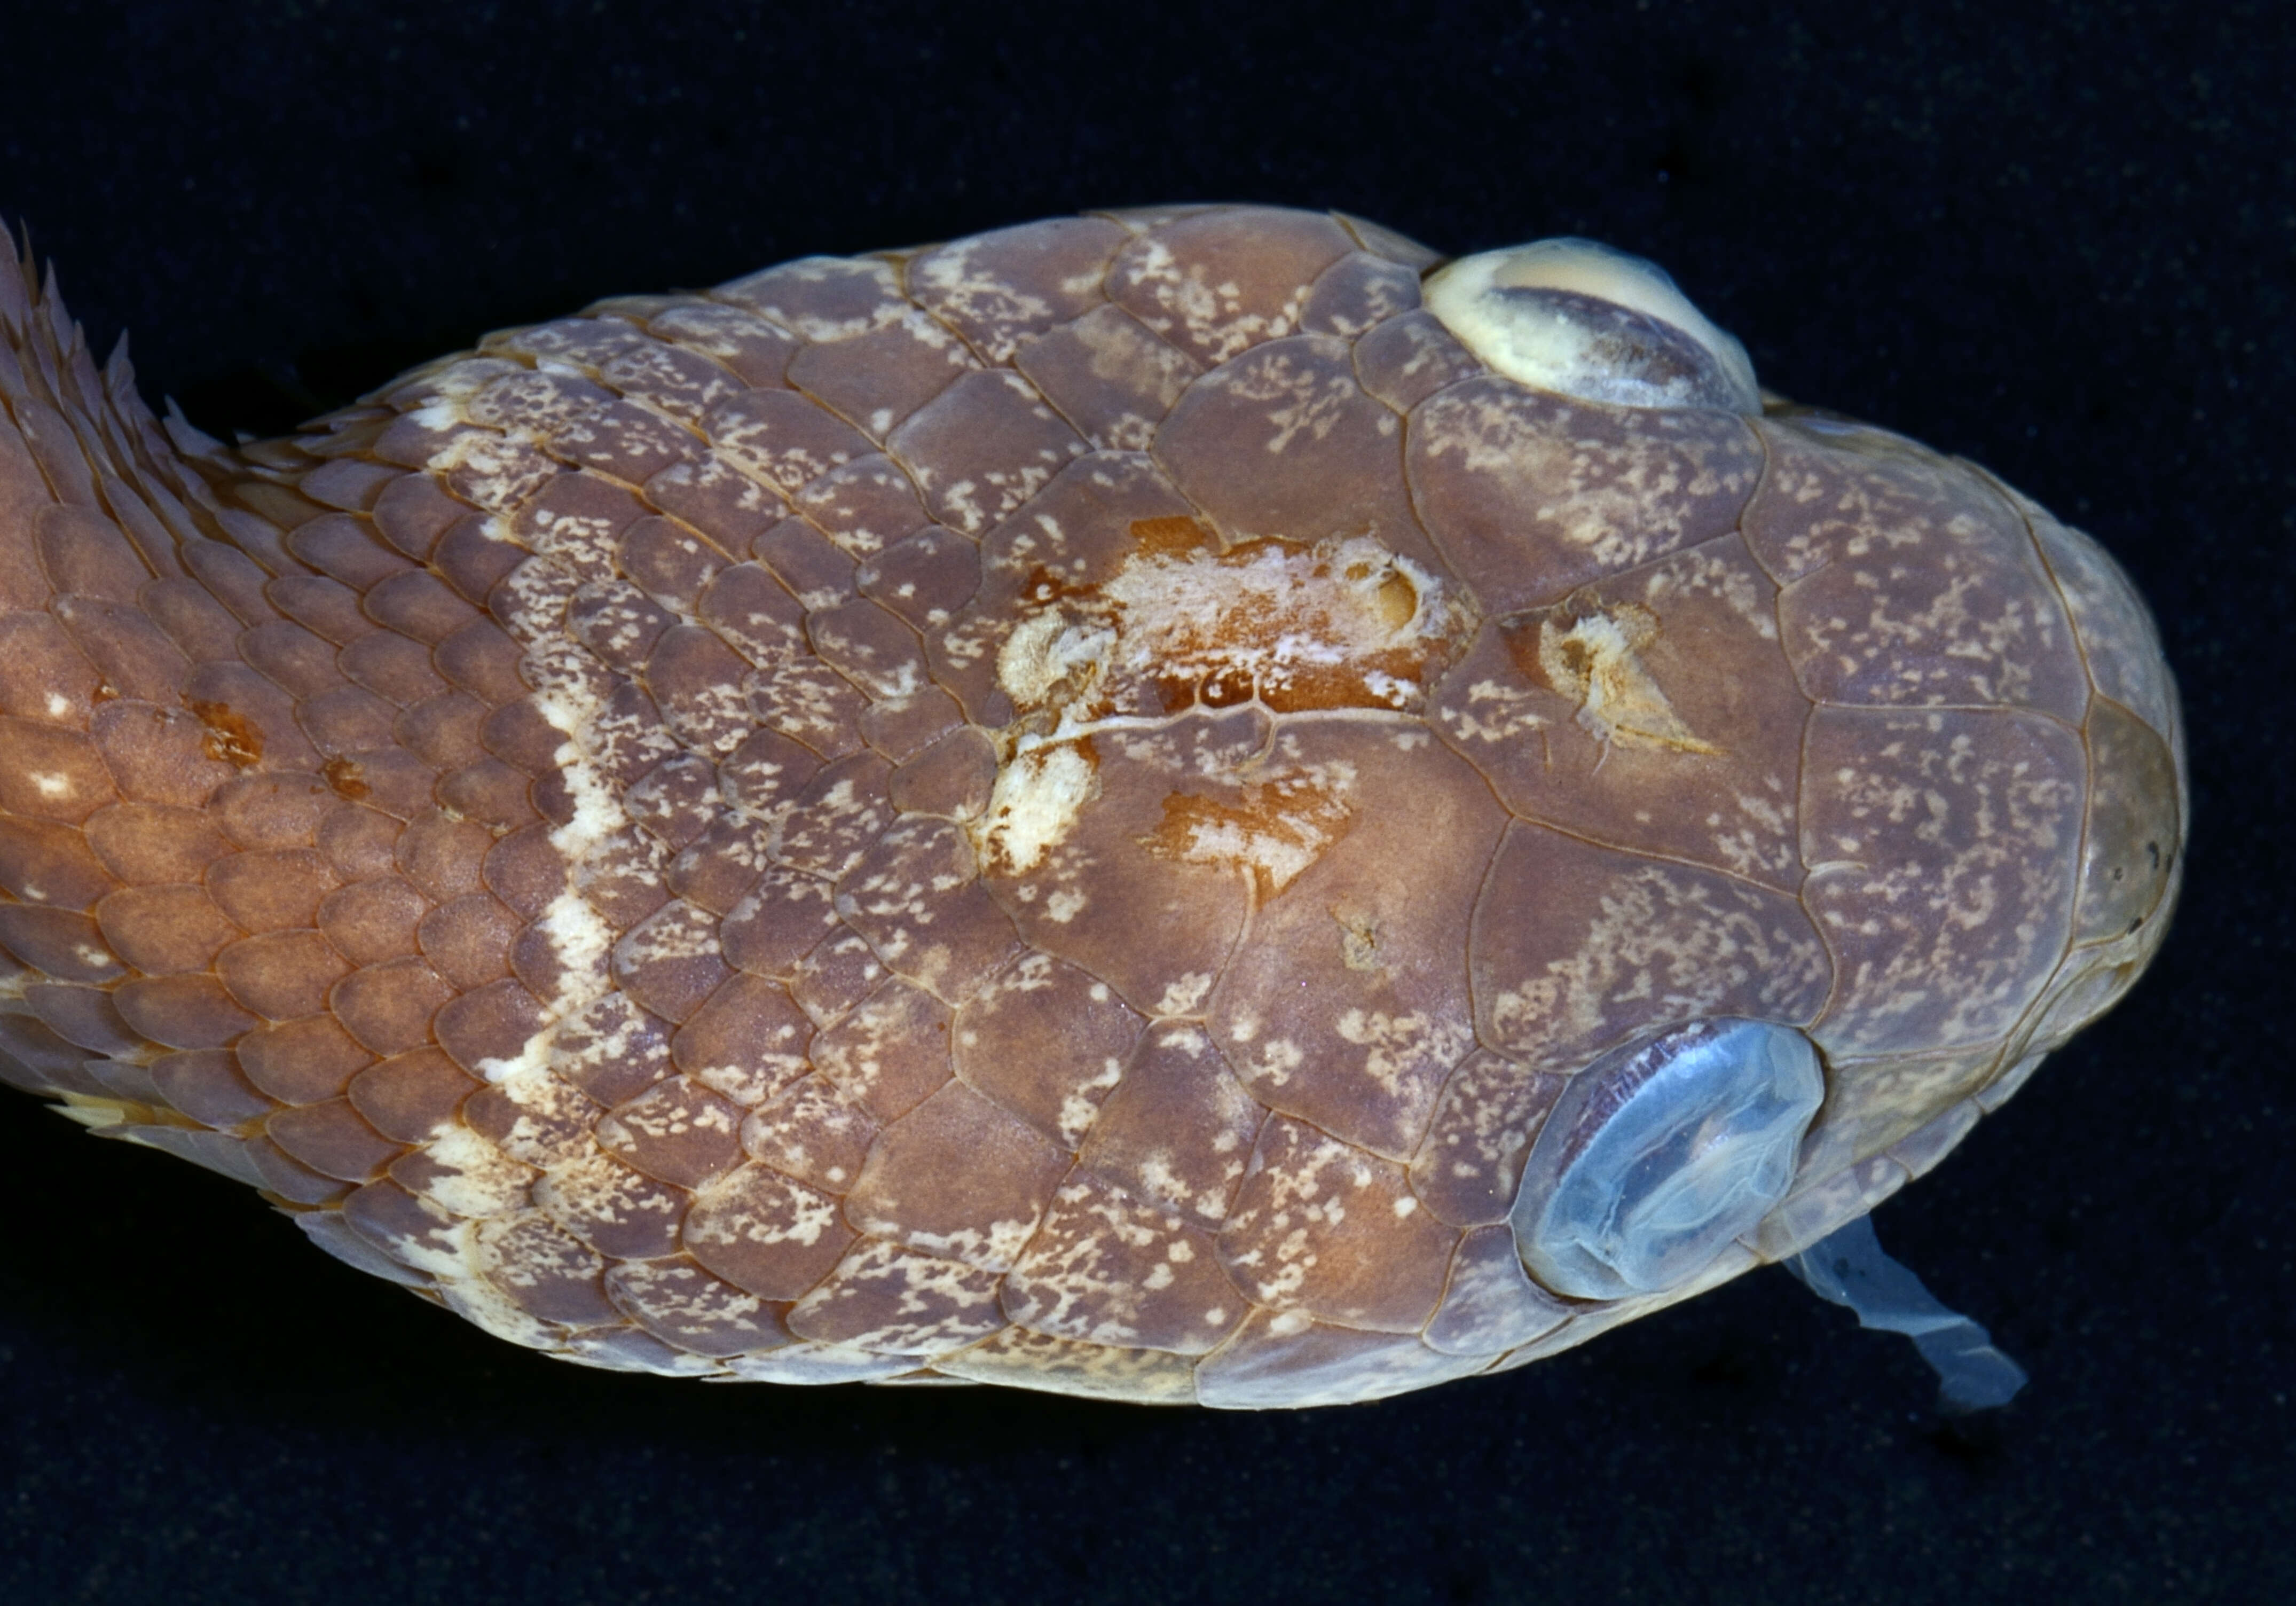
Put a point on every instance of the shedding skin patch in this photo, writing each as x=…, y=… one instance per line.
x=1036, y=798
x=1294, y=627
x=1276, y=830
x=231, y=738
x=1595, y=661
x=1341, y=623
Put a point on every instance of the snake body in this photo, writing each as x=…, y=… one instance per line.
x=1053, y=809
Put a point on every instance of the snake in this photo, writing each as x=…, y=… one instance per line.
x=1197, y=804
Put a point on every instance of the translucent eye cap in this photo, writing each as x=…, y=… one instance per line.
x=1849, y=1267
x=1657, y=1158
x=1471, y=297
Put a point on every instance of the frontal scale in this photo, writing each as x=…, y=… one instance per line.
x=1187, y=805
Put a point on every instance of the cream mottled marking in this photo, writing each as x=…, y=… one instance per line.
x=1594, y=660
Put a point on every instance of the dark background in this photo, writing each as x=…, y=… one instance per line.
x=2059, y=240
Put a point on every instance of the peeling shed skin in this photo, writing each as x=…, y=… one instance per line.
x=1053, y=809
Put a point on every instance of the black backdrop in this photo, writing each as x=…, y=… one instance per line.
x=2058, y=241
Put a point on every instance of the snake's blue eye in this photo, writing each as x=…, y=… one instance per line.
x=1577, y=317
x=1659, y=1154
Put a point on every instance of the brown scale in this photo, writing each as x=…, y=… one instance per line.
x=649, y=832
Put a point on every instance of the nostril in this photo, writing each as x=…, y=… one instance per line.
x=1579, y=318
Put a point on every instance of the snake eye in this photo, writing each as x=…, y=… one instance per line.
x=1574, y=316
x=1658, y=1155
